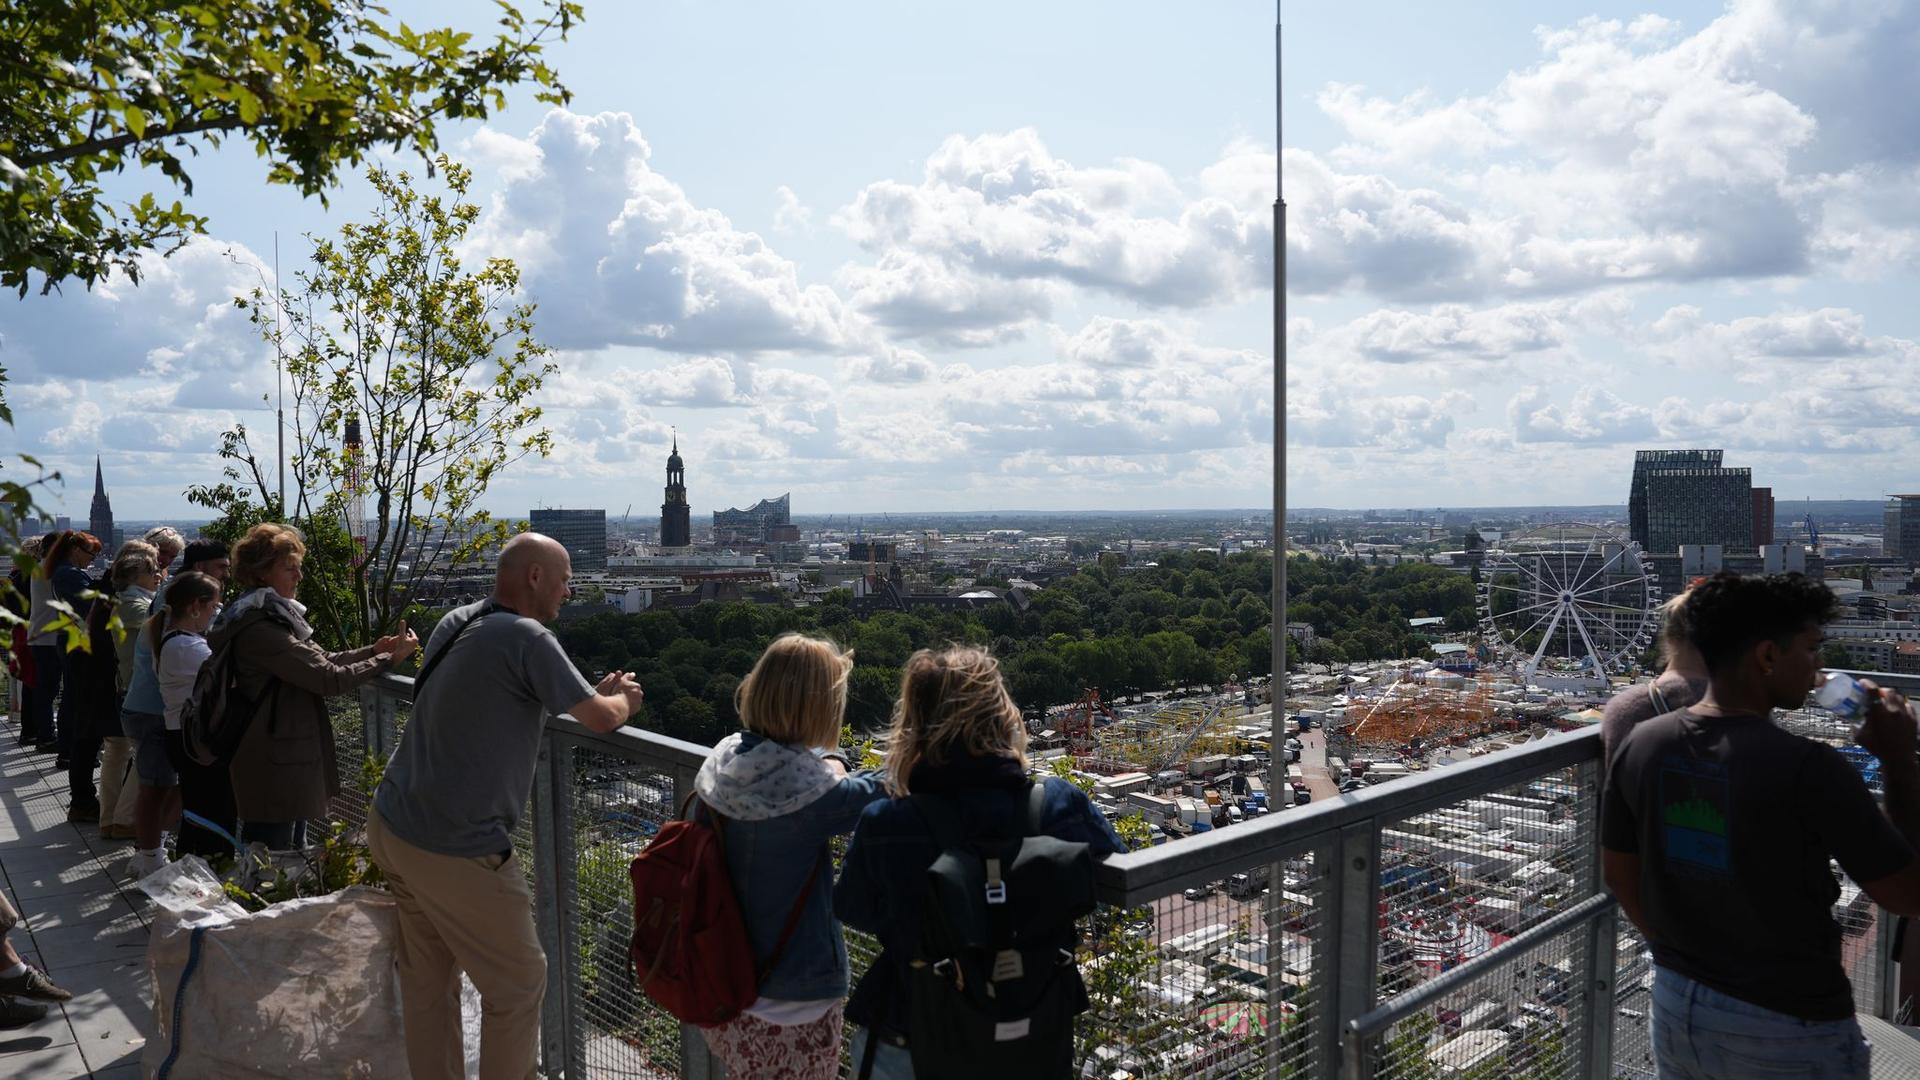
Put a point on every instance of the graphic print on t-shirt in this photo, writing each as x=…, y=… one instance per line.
x=1693, y=816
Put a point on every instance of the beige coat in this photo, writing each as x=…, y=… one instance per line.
x=285, y=768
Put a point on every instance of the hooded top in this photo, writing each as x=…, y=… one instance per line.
x=751, y=778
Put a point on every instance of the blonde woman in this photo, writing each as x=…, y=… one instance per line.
x=781, y=794
x=956, y=733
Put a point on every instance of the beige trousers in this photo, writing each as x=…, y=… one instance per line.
x=119, y=787
x=471, y=915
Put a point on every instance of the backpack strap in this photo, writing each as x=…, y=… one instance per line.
x=718, y=826
x=793, y=920
x=1659, y=699
x=433, y=661
x=1037, y=808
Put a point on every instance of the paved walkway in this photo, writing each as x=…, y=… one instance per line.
x=88, y=930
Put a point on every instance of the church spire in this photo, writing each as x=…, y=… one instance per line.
x=99, y=480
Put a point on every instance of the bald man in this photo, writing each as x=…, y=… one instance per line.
x=442, y=820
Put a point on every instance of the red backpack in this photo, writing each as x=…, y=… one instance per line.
x=690, y=946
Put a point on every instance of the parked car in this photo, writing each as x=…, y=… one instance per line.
x=1199, y=892
x=1353, y=784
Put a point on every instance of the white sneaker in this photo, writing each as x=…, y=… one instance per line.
x=143, y=863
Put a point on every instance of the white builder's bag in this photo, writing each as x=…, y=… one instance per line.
x=306, y=988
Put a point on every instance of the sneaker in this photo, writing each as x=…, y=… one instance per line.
x=83, y=813
x=142, y=864
x=15, y=1014
x=46, y=746
x=60, y=762
x=34, y=984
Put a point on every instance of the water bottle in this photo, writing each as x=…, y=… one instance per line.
x=1843, y=696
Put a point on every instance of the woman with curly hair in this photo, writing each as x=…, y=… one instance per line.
x=285, y=770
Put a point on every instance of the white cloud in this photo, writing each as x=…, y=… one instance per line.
x=177, y=323
x=617, y=254
x=918, y=297
x=1002, y=206
x=789, y=213
x=1596, y=415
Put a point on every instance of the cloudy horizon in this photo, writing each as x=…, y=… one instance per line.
x=880, y=260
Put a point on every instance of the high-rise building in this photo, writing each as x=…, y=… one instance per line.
x=582, y=532
x=1689, y=497
x=676, y=517
x=100, y=516
x=1902, y=537
x=755, y=524
x=1762, y=516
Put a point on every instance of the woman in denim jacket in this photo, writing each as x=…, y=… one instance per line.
x=783, y=798
x=956, y=731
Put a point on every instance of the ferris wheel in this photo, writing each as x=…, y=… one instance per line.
x=1569, y=601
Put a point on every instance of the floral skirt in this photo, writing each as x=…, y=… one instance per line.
x=751, y=1047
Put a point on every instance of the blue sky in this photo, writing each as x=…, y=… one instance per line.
x=1017, y=256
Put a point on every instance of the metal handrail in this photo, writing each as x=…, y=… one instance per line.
x=1342, y=835
x=1142, y=876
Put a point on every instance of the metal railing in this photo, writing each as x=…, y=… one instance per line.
x=1449, y=923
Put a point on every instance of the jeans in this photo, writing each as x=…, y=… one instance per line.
x=1702, y=1034
x=46, y=687
x=890, y=1062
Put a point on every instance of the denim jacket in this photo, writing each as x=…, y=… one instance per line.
x=782, y=805
x=883, y=876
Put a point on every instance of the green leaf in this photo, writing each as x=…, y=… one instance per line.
x=137, y=124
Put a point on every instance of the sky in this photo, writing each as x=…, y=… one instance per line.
x=1018, y=256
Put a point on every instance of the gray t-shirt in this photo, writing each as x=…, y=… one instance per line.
x=464, y=769
x=1644, y=701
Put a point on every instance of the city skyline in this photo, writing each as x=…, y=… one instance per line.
x=1020, y=287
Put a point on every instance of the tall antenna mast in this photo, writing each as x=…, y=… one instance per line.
x=279, y=376
x=1278, y=687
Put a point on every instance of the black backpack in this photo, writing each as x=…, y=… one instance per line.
x=995, y=988
x=217, y=714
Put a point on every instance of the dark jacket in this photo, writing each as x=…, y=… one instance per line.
x=285, y=768
x=883, y=875
x=91, y=682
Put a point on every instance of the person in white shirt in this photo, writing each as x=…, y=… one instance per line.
x=177, y=636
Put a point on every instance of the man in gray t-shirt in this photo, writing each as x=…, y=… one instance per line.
x=442, y=820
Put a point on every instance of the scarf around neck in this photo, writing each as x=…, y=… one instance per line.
x=291, y=612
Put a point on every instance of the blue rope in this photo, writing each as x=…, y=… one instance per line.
x=179, y=998
x=214, y=829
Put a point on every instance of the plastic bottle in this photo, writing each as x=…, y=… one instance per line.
x=1843, y=696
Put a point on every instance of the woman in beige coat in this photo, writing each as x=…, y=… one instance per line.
x=285, y=769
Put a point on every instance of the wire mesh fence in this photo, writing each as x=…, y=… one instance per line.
x=615, y=805
x=1225, y=979
x=1521, y=1019
x=1214, y=981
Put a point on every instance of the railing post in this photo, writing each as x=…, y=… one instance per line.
x=1346, y=955
x=378, y=710
x=553, y=905
x=696, y=1061
x=1599, y=962
x=1602, y=967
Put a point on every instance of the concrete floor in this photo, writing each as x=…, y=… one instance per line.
x=83, y=925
